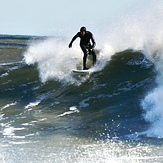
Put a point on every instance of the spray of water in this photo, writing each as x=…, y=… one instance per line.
x=139, y=28
x=53, y=59
x=142, y=30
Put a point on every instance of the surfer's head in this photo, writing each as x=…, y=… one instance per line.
x=82, y=30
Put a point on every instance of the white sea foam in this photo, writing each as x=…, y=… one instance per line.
x=139, y=28
x=8, y=105
x=72, y=109
x=53, y=58
x=142, y=30
x=35, y=103
x=153, y=49
x=32, y=104
x=10, y=131
x=3, y=75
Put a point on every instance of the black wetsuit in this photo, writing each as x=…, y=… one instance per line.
x=86, y=46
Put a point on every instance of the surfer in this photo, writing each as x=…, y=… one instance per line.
x=86, y=46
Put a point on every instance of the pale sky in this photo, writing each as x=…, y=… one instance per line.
x=35, y=17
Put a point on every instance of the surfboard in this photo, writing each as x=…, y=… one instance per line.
x=81, y=71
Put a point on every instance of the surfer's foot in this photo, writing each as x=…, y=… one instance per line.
x=85, y=68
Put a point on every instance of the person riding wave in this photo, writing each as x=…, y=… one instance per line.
x=85, y=44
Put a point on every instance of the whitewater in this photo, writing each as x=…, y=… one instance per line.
x=140, y=29
x=113, y=114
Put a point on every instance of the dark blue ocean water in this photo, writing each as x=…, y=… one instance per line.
x=50, y=114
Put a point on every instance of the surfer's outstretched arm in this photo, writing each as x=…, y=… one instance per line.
x=73, y=39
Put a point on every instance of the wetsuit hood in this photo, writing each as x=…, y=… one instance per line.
x=82, y=29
